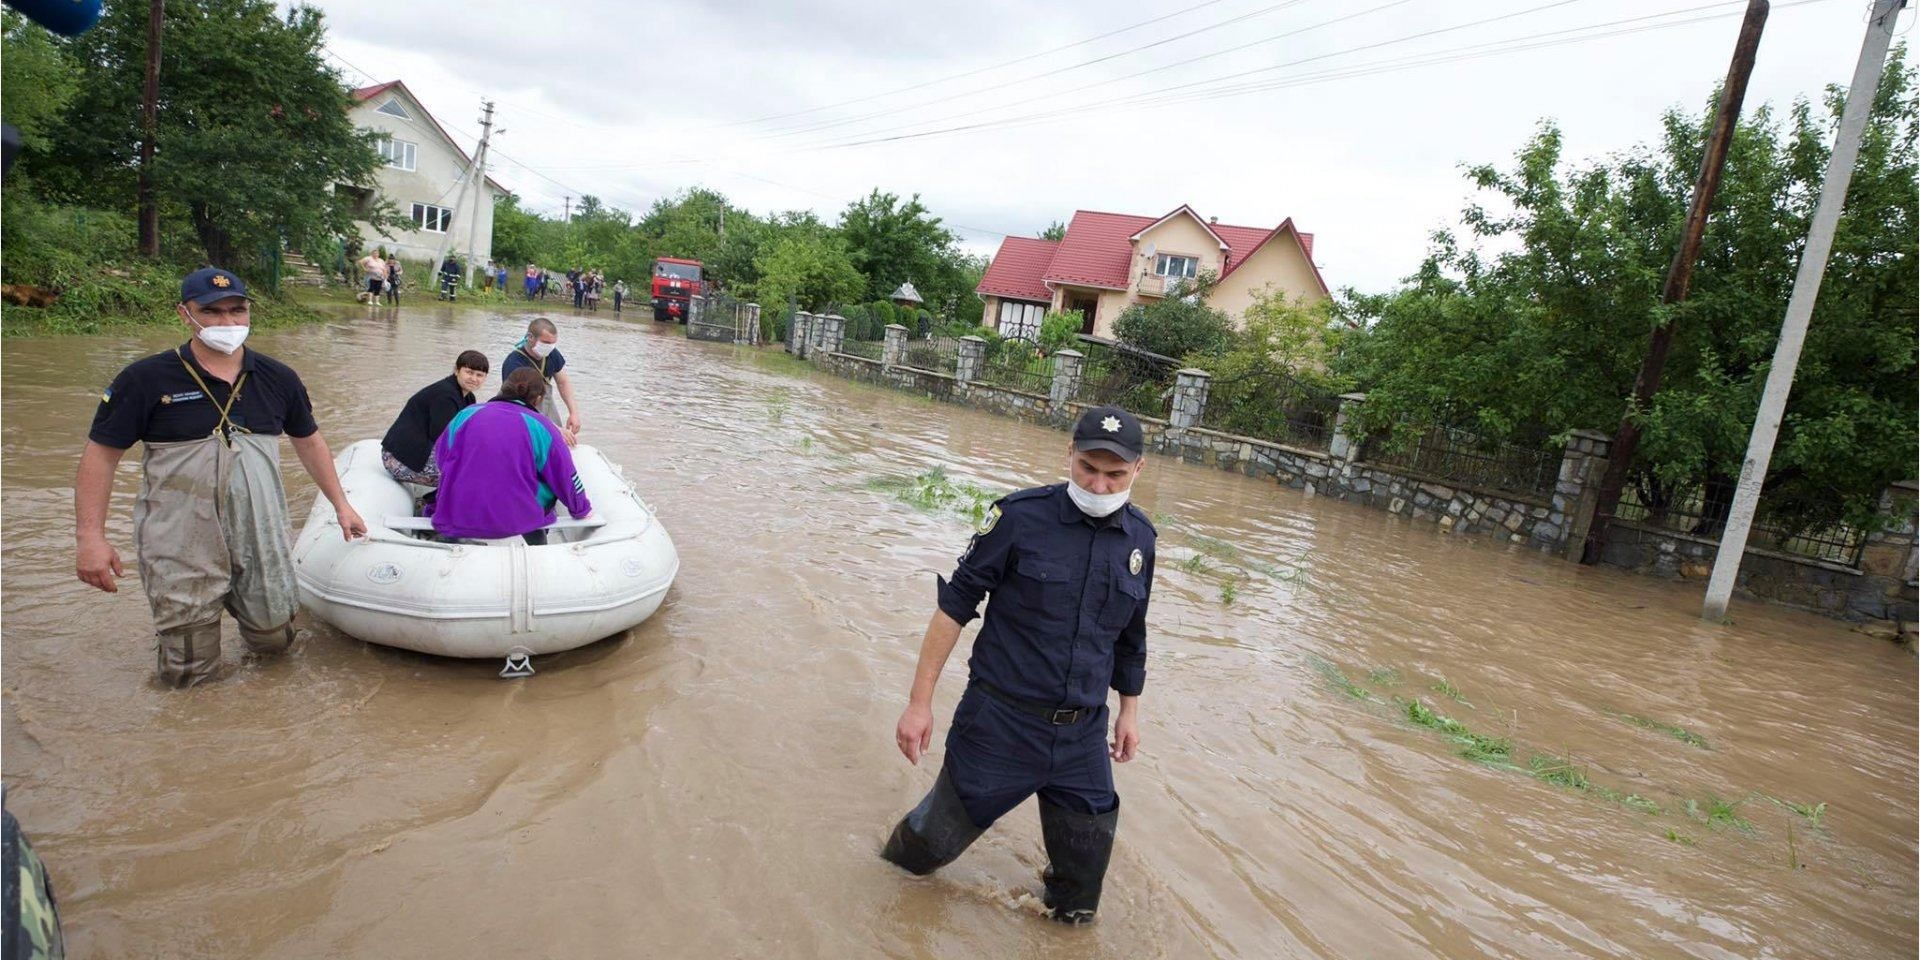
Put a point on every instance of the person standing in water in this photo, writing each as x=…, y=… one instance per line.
x=210, y=527
x=1069, y=569
x=540, y=349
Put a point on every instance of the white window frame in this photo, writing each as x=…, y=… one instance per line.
x=423, y=218
x=1021, y=319
x=1169, y=264
x=399, y=154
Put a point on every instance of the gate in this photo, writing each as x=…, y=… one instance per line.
x=723, y=319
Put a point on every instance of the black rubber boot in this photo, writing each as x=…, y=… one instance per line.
x=934, y=833
x=1078, y=848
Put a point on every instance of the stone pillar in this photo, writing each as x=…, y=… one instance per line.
x=833, y=327
x=1890, y=562
x=973, y=356
x=696, y=309
x=1066, y=382
x=1345, y=446
x=894, y=349
x=1190, y=387
x=1576, y=494
x=799, y=334
x=752, y=312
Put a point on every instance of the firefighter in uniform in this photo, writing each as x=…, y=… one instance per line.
x=210, y=525
x=1069, y=569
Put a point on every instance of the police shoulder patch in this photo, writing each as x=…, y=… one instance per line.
x=988, y=520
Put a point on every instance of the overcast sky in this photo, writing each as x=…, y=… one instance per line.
x=1023, y=123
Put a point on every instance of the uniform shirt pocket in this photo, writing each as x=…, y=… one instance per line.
x=1125, y=597
x=1047, y=586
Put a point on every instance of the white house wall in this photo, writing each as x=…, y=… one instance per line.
x=434, y=179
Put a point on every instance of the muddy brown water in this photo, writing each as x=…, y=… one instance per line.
x=717, y=782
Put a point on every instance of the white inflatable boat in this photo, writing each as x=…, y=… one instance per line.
x=594, y=578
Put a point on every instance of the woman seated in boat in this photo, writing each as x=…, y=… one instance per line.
x=407, y=449
x=503, y=466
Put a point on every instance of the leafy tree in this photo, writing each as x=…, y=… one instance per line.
x=1055, y=231
x=892, y=243
x=36, y=78
x=1177, y=325
x=253, y=131
x=1537, y=320
x=814, y=270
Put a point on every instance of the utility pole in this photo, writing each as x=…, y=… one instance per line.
x=149, y=205
x=566, y=209
x=1679, y=278
x=479, y=186
x=1806, y=287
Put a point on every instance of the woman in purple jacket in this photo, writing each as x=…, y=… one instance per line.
x=503, y=466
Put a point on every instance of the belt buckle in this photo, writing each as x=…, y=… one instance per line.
x=1064, y=716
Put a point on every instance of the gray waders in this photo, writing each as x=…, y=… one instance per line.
x=211, y=531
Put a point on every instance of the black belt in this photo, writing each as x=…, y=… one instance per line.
x=1058, y=716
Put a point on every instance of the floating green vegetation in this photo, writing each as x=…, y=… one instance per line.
x=1337, y=678
x=806, y=443
x=1213, y=546
x=1679, y=838
x=1813, y=814
x=1164, y=521
x=1631, y=801
x=1445, y=688
x=1681, y=734
x=1720, y=814
x=1383, y=677
x=1228, y=594
x=934, y=490
x=1559, y=771
x=1477, y=747
x=1195, y=564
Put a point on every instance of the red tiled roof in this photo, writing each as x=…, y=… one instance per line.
x=364, y=94
x=1017, y=270
x=1098, y=252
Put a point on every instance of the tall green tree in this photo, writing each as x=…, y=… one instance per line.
x=253, y=133
x=814, y=271
x=1536, y=314
x=893, y=242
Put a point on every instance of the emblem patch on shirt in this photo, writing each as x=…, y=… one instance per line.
x=106, y=395
x=1135, y=561
x=985, y=526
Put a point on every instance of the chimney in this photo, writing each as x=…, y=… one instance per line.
x=1213, y=219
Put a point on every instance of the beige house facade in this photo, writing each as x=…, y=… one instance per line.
x=1108, y=262
x=423, y=178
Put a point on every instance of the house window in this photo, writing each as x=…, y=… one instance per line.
x=1167, y=265
x=392, y=108
x=398, y=154
x=1019, y=319
x=432, y=219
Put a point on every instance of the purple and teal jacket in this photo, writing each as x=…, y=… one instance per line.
x=502, y=469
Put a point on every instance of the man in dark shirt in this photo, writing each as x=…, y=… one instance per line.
x=540, y=350
x=210, y=526
x=1069, y=569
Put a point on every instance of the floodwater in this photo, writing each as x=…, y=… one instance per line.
x=717, y=782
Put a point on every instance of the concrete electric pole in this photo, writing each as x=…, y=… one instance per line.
x=479, y=186
x=1806, y=287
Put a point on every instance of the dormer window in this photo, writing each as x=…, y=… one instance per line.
x=1176, y=267
x=393, y=108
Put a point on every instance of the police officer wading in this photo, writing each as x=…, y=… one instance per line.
x=1069, y=569
x=210, y=525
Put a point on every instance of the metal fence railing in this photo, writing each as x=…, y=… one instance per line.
x=1118, y=375
x=870, y=349
x=1017, y=363
x=1692, y=511
x=939, y=355
x=1271, y=405
x=1462, y=457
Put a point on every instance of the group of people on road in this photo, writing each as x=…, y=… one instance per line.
x=585, y=287
x=1066, y=570
x=382, y=275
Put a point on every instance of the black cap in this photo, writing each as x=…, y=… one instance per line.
x=207, y=284
x=1111, y=429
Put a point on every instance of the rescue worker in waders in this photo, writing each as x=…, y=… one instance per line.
x=210, y=526
x=1069, y=569
x=540, y=350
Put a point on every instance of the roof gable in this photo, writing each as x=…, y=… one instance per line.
x=365, y=95
x=1303, y=240
x=1019, y=269
x=1177, y=211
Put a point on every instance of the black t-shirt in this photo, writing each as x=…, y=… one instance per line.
x=422, y=420
x=155, y=399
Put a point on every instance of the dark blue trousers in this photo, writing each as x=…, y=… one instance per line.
x=999, y=756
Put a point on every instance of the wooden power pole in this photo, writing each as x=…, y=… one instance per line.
x=149, y=205
x=1679, y=278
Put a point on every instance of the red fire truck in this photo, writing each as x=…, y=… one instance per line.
x=675, y=281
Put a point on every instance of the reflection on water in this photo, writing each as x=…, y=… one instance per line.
x=718, y=781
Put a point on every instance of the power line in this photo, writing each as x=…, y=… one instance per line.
x=975, y=72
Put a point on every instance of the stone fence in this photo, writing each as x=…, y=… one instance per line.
x=1556, y=521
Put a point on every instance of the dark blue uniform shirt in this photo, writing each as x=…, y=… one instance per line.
x=1067, y=616
x=158, y=399
x=520, y=358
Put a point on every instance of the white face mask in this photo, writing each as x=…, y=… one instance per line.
x=1095, y=504
x=542, y=349
x=224, y=339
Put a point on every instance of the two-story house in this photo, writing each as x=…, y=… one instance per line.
x=1110, y=261
x=423, y=178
